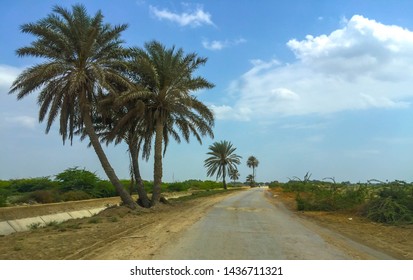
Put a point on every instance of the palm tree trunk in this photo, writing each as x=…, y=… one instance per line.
x=143, y=199
x=131, y=185
x=157, y=171
x=253, y=175
x=124, y=195
x=223, y=178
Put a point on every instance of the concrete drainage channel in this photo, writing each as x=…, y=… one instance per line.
x=12, y=226
x=16, y=219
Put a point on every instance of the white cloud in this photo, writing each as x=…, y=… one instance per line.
x=8, y=104
x=19, y=121
x=7, y=76
x=364, y=64
x=193, y=18
x=214, y=45
x=219, y=45
x=226, y=112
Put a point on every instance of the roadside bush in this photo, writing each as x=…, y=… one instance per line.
x=193, y=185
x=296, y=186
x=77, y=179
x=210, y=185
x=4, y=193
x=104, y=189
x=178, y=187
x=45, y=196
x=275, y=184
x=149, y=186
x=32, y=184
x=3, y=199
x=4, y=184
x=327, y=198
x=388, y=210
x=392, y=204
x=75, y=195
x=40, y=196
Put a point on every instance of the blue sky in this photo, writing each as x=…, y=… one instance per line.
x=318, y=86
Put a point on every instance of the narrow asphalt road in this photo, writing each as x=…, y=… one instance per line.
x=248, y=226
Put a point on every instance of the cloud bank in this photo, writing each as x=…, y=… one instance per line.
x=363, y=65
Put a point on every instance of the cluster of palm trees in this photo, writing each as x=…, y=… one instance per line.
x=222, y=161
x=98, y=89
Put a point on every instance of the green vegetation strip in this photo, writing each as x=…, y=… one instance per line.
x=389, y=203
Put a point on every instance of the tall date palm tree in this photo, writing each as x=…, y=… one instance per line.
x=234, y=175
x=81, y=58
x=253, y=162
x=222, y=160
x=164, y=82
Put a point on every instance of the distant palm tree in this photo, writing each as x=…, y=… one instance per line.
x=222, y=160
x=234, y=175
x=250, y=180
x=252, y=162
x=82, y=56
x=164, y=82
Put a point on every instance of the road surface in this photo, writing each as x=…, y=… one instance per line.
x=248, y=226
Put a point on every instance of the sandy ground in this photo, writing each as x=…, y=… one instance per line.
x=120, y=233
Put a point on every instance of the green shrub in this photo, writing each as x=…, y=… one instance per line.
x=104, y=189
x=3, y=197
x=4, y=184
x=350, y=197
x=32, y=184
x=294, y=186
x=148, y=186
x=3, y=200
x=178, y=187
x=193, y=185
x=275, y=184
x=328, y=198
x=77, y=179
x=393, y=203
x=388, y=210
x=303, y=204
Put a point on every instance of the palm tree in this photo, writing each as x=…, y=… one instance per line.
x=234, y=175
x=82, y=56
x=250, y=180
x=252, y=162
x=164, y=82
x=222, y=160
x=112, y=127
